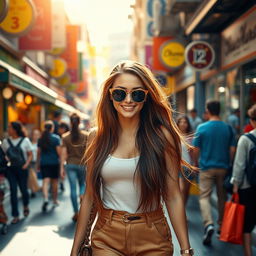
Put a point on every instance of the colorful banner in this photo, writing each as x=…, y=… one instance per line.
x=40, y=37
x=58, y=25
x=71, y=54
x=19, y=19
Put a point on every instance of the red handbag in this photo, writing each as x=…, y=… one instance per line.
x=233, y=221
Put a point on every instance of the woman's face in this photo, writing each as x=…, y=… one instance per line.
x=128, y=108
x=36, y=135
x=11, y=131
x=183, y=125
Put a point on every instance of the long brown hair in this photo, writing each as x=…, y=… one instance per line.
x=151, y=141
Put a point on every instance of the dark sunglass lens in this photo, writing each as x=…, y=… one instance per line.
x=138, y=95
x=118, y=95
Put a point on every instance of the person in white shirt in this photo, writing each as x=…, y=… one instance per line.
x=17, y=173
x=241, y=184
x=133, y=163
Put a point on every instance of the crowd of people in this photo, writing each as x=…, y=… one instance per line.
x=136, y=146
x=38, y=163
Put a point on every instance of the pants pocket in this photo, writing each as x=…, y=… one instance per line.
x=162, y=228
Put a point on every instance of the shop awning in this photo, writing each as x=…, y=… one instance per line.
x=212, y=16
x=19, y=80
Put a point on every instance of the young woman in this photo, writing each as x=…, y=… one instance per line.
x=48, y=155
x=72, y=150
x=32, y=177
x=247, y=192
x=133, y=161
x=17, y=173
x=185, y=128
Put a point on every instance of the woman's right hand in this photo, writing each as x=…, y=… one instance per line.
x=235, y=188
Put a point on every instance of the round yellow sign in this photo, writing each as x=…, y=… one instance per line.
x=20, y=17
x=59, y=68
x=172, y=54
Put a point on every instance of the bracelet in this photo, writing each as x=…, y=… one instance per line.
x=189, y=251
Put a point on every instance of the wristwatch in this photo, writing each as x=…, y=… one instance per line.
x=189, y=251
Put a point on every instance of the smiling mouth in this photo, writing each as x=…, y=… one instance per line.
x=128, y=108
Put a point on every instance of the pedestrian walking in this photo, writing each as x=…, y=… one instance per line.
x=63, y=128
x=48, y=155
x=72, y=151
x=32, y=178
x=18, y=150
x=214, y=142
x=194, y=119
x=185, y=182
x=133, y=162
x=242, y=184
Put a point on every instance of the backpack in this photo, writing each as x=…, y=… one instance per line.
x=251, y=164
x=15, y=154
x=3, y=161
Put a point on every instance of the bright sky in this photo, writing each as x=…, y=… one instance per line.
x=102, y=17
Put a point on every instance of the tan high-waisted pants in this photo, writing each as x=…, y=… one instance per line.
x=124, y=234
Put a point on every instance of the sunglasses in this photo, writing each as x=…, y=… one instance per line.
x=119, y=95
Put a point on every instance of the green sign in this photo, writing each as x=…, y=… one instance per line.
x=29, y=88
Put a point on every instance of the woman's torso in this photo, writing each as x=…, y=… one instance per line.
x=75, y=151
x=25, y=145
x=49, y=156
x=120, y=190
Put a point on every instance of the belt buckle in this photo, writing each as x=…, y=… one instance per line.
x=125, y=220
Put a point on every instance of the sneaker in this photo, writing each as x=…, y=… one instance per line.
x=44, y=206
x=56, y=204
x=208, y=232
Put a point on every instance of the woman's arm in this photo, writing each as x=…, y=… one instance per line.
x=29, y=159
x=239, y=165
x=63, y=158
x=83, y=218
x=174, y=202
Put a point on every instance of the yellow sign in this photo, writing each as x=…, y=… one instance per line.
x=172, y=54
x=59, y=68
x=170, y=86
x=65, y=80
x=19, y=19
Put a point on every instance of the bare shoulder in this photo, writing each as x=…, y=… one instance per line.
x=91, y=134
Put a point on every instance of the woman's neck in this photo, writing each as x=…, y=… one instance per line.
x=129, y=125
x=15, y=136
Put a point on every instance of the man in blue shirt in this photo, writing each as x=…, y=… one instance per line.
x=214, y=147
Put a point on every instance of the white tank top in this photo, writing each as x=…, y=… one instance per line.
x=119, y=188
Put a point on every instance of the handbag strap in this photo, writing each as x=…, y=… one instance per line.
x=92, y=217
x=235, y=198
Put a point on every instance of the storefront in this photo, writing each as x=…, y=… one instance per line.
x=22, y=98
x=235, y=82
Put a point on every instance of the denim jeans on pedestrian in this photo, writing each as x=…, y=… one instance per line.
x=75, y=173
x=18, y=177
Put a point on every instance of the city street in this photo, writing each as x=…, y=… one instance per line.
x=51, y=234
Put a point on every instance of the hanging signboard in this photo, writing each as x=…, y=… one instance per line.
x=238, y=40
x=19, y=19
x=4, y=5
x=199, y=55
x=71, y=54
x=58, y=25
x=59, y=68
x=39, y=37
x=168, y=54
